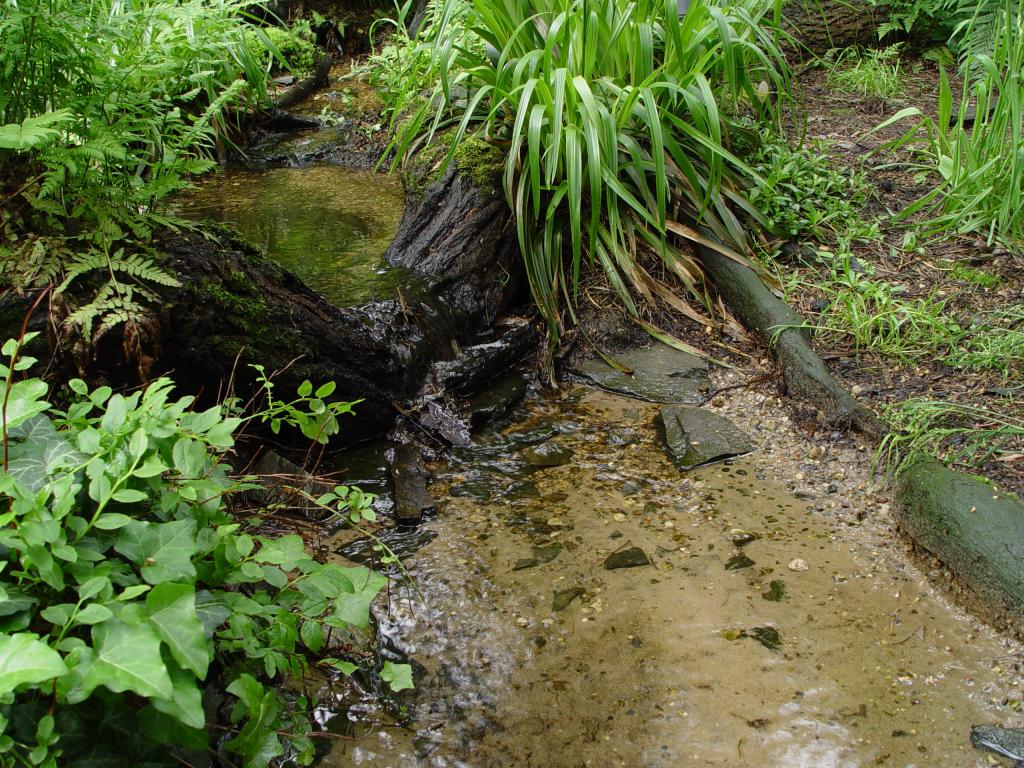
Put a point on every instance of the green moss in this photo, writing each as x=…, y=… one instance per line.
x=482, y=162
x=249, y=310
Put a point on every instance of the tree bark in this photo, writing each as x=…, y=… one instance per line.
x=817, y=25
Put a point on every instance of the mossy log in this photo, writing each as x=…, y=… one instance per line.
x=975, y=530
x=804, y=374
x=306, y=87
x=235, y=307
x=817, y=25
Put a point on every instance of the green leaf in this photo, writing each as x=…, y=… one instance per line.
x=257, y=742
x=312, y=633
x=129, y=496
x=186, y=702
x=24, y=660
x=93, y=614
x=305, y=388
x=398, y=676
x=345, y=667
x=34, y=132
x=164, y=551
x=128, y=659
x=38, y=451
x=111, y=521
x=172, y=610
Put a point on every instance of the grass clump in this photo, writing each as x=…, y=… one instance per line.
x=282, y=49
x=955, y=433
x=978, y=277
x=881, y=317
x=868, y=72
x=996, y=344
x=615, y=121
x=976, y=151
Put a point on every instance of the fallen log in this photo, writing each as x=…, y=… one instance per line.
x=804, y=374
x=975, y=530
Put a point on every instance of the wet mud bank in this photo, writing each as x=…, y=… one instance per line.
x=582, y=601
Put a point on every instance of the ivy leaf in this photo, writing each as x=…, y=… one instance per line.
x=398, y=676
x=172, y=611
x=163, y=550
x=257, y=742
x=37, y=451
x=25, y=401
x=128, y=659
x=93, y=614
x=286, y=551
x=186, y=702
x=25, y=659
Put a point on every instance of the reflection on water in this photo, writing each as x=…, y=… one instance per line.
x=330, y=225
x=563, y=663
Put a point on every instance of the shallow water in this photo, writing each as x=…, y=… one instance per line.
x=845, y=659
x=328, y=224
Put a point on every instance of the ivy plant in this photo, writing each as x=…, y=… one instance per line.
x=139, y=620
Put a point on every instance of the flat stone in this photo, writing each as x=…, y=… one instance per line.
x=547, y=455
x=660, y=374
x=285, y=483
x=738, y=562
x=562, y=599
x=496, y=400
x=634, y=557
x=696, y=437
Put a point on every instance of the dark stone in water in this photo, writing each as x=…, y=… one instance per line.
x=1008, y=742
x=544, y=553
x=547, y=455
x=660, y=374
x=633, y=557
x=496, y=400
x=738, y=562
x=442, y=419
x=404, y=542
x=696, y=437
x=287, y=484
x=742, y=539
x=409, y=476
x=776, y=591
x=562, y=599
x=480, y=363
x=767, y=636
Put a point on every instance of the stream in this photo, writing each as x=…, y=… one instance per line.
x=769, y=628
x=577, y=600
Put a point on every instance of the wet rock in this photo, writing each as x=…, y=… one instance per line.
x=480, y=363
x=696, y=437
x=562, y=598
x=776, y=591
x=286, y=484
x=543, y=553
x=409, y=477
x=441, y=419
x=738, y=562
x=496, y=400
x=634, y=557
x=660, y=374
x=798, y=564
x=1008, y=742
x=742, y=538
x=403, y=542
x=547, y=455
x=767, y=636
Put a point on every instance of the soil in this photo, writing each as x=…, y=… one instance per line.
x=846, y=121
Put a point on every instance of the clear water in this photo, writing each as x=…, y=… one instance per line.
x=329, y=225
x=669, y=664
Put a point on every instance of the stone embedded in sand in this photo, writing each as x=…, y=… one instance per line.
x=547, y=455
x=660, y=374
x=634, y=557
x=695, y=437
